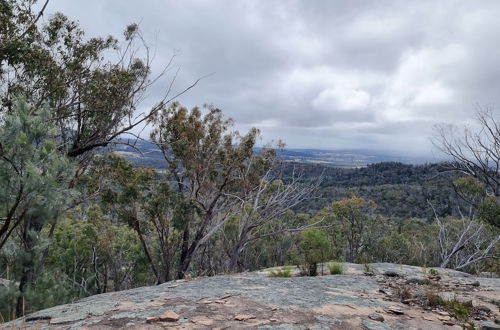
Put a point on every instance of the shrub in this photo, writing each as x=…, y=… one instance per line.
x=368, y=268
x=336, y=268
x=433, y=298
x=315, y=247
x=458, y=310
x=433, y=272
x=8, y=297
x=403, y=292
x=284, y=272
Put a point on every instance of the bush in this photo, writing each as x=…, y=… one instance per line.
x=368, y=268
x=315, y=248
x=284, y=272
x=336, y=268
x=433, y=298
x=433, y=272
x=8, y=297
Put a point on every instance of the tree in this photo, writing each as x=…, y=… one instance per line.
x=145, y=201
x=464, y=242
x=32, y=173
x=34, y=180
x=475, y=152
x=314, y=246
x=354, y=215
x=92, y=94
x=264, y=204
x=211, y=166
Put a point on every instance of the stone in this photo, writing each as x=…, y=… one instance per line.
x=68, y=318
x=394, y=310
x=371, y=325
x=418, y=295
x=486, y=325
x=201, y=319
x=243, y=317
x=169, y=316
x=376, y=317
x=391, y=273
x=484, y=309
x=416, y=280
x=475, y=283
x=152, y=319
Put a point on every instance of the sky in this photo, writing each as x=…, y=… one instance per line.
x=320, y=74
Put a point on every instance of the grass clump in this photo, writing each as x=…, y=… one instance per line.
x=433, y=298
x=283, y=272
x=433, y=272
x=368, y=268
x=336, y=268
x=459, y=310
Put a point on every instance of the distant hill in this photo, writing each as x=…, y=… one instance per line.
x=151, y=156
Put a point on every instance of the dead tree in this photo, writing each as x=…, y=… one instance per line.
x=464, y=242
x=263, y=207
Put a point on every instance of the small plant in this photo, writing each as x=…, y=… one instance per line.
x=433, y=272
x=433, y=298
x=367, y=268
x=284, y=272
x=458, y=310
x=461, y=311
x=336, y=268
x=404, y=292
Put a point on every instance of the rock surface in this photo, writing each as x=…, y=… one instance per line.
x=255, y=300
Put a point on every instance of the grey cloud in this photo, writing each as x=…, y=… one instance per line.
x=326, y=74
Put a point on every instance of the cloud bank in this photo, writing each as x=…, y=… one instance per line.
x=322, y=74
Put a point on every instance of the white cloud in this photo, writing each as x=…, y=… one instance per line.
x=341, y=98
x=326, y=74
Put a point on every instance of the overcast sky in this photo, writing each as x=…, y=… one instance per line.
x=322, y=74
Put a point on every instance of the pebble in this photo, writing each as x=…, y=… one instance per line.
x=376, y=317
x=486, y=325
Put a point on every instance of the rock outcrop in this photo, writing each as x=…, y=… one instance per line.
x=401, y=299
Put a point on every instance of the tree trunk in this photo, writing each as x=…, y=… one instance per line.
x=235, y=257
x=28, y=275
x=184, y=253
x=236, y=251
x=188, y=250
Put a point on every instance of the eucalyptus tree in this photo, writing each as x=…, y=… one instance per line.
x=210, y=165
x=93, y=86
x=354, y=215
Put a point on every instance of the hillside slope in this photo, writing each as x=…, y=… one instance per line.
x=254, y=300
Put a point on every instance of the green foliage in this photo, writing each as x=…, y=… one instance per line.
x=354, y=215
x=367, y=268
x=458, y=310
x=433, y=271
x=8, y=297
x=49, y=290
x=315, y=248
x=52, y=62
x=94, y=250
x=336, y=268
x=489, y=211
x=283, y=272
x=469, y=186
x=33, y=176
